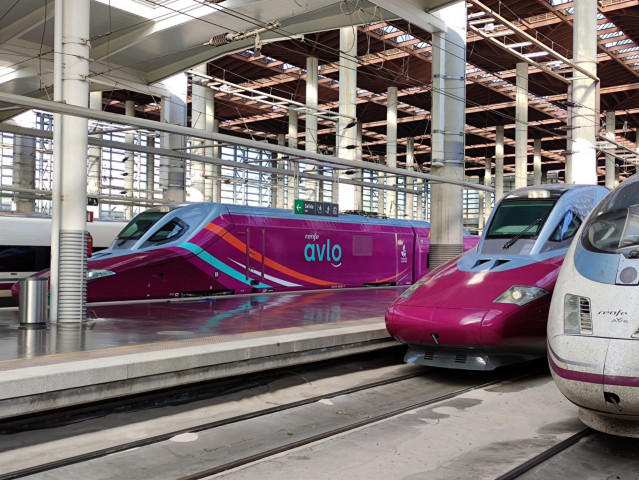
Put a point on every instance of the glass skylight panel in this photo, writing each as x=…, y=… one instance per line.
x=605, y=26
x=405, y=38
x=286, y=66
x=618, y=33
x=422, y=45
x=626, y=50
x=389, y=29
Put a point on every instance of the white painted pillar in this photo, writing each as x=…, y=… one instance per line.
x=346, y=131
x=174, y=111
x=68, y=251
x=198, y=120
x=150, y=168
x=391, y=146
x=312, y=99
x=537, y=162
x=410, y=181
x=95, y=153
x=359, y=198
x=293, y=190
x=488, y=195
x=446, y=207
x=584, y=95
x=481, y=200
x=381, y=200
x=24, y=152
x=499, y=163
x=569, y=145
x=521, y=126
x=129, y=164
x=610, y=160
x=212, y=172
x=216, y=170
x=277, y=182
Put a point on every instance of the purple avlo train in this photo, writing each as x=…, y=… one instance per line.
x=199, y=249
x=490, y=306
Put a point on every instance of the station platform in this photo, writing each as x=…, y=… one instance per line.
x=137, y=347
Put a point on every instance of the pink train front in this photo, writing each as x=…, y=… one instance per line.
x=199, y=249
x=489, y=307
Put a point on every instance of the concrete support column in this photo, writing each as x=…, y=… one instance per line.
x=346, y=131
x=198, y=146
x=312, y=99
x=585, y=92
x=537, y=162
x=499, y=163
x=129, y=164
x=277, y=181
x=95, y=153
x=24, y=151
x=391, y=146
x=359, y=196
x=446, y=207
x=488, y=195
x=212, y=172
x=610, y=160
x=150, y=169
x=172, y=178
x=293, y=190
x=68, y=240
x=381, y=200
x=521, y=126
x=410, y=181
x=216, y=170
x=481, y=205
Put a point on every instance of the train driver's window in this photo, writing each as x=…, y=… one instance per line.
x=567, y=227
x=170, y=231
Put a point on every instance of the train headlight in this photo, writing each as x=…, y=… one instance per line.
x=577, y=317
x=520, y=295
x=93, y=274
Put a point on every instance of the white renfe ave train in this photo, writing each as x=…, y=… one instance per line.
x=25, y=246
x=593, y=326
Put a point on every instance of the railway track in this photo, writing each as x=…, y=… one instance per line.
x=416, y=390
x=543, y=457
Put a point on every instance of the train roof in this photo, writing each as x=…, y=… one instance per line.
x=553, y=190
x=289, y=214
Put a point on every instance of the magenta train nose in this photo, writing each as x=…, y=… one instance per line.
x=489, y=307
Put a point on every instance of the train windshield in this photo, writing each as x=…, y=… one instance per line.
x=138, y=227
x=614, y=231
x=522, y=218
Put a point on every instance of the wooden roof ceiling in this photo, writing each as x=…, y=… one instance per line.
x=399, y=54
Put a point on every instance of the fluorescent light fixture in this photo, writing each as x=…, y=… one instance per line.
x=535, y=54
x=520, y=44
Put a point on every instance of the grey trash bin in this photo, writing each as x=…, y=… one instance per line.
x=32, y=304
